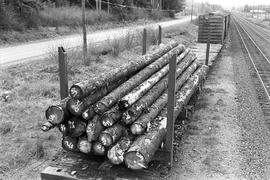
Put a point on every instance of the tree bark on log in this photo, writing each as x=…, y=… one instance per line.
x=88, y=87
x=140, y=90
x=110, y=117
x=144, y=147
x=89, y=113
x=56, y=114
x=94, y=128
x=116, y=152
x=111, y=99
x=99, y=149
x=76, y=127
x=110, y=135
x=142, y=104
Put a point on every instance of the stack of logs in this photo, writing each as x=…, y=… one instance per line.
x=122, y=114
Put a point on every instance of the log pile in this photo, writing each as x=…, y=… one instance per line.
x=122, y=114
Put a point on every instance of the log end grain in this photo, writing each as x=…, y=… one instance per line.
x=46, y=126
x=84, y=146
x=99, y=149
x=76, y=92
x=70, y=144
x=63, y=129
x=123, y=105
x=106, y=139
x=75, y=107
x=55, y=114
x=89, y=113
x=135, y=160
x=76, y=127
x=116, y=155
x=137, y=129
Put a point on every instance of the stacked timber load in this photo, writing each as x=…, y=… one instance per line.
x=122, y=114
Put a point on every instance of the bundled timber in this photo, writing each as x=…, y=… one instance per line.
x=110, y=135
x=140, y=90
x=99, y=149
x=140, y=106
x=76, y=127
x=144, y=147
x=93, y=129
x=86, y=88
x=56, y=114
x=77, y=107
x=70, y=144
x=84, y=145
x=88, y=113
x=117, y=151
x=110, y=117
x=63, y=129
x=111, y=99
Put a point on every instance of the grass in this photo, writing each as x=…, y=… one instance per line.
x=35, y=86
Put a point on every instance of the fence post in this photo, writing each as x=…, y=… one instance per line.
x=144, y=41
x=159, y=35
x=62, y=60
x=170, y=108
x=207, y=50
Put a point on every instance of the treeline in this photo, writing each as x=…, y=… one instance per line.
x=24, y=14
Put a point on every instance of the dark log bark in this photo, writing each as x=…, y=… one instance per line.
x=99, y=149
x=56, y=114
x=139, y=126
x=76, y=127
x=110, y=135
x=94, y=128
x=77, y=107
x=144, y=147
x=111, y=99
x=116, y=152
x=88, y=113
x=86, y=88
x=70, y=144
x=129, y=99
x=110, y=117
x=84, y=145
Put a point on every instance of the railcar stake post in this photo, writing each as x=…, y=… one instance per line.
x=159, y=34
x=208, y=45
x=62, y=60
x=170, y=109
x=144, y=41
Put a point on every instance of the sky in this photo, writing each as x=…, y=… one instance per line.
x=231, y=3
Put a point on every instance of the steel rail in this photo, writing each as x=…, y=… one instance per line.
x=250, y=57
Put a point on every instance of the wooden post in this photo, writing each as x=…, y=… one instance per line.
x=84, y=33
x=144, y=41
x=159, y=34
x=170, y=109
x=207, y=49
x=62, y=60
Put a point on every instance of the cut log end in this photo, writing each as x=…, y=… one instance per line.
x=100, y=108
x=99, y=149
x=106, y=121
x=106, y=139
x=75, y=107
x=63, y=129
x=135, y=160
x=46, y=126
x=115, y=155
x=54, y=114
x=123, y=105
x=84, y=146
x=128, y=117
x=137, y=129
x=70, y=144
x=76, y=92
x=88, y=113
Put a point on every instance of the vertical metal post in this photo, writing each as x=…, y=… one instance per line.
x=159, y=34
x=84, y=33
x=62, y=60
x=170, y=108
x=144, y=41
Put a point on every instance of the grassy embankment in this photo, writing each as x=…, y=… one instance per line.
x=52, y=22
x=35, y=86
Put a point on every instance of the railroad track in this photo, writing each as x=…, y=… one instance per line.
x=259, y=60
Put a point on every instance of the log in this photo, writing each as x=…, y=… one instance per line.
x=89, y=113
x=63, y=129
x=116, y=153
x=110, y=135
x=84, y=145
x=110, y=117
x=99, y=149
x=88, y=87
x=140, y=90
x=144, y=147
x=142, y=104
x=139, y=126
x=56, y=114
x=76, y=127
x=77, y=107
x=111, y=99
x=70, y=144
x=94, y=128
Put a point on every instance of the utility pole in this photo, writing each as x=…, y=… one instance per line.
x=84, y=33
x=191, y=14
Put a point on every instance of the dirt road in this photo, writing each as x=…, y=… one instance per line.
x=227, y=137
x=38, y=50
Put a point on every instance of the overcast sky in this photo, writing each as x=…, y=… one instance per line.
x=231, y=3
